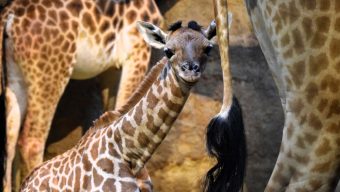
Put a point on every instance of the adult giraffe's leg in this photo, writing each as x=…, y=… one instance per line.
x=43, y=98
x=134, y=69
x=15, y=107
x=118, y=85
x=16, y=101
x=45, y=85
x=45, y=57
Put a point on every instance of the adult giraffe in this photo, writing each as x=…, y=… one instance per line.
x=48, y=42
x=301, y=42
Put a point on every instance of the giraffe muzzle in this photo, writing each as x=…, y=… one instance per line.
x=190, y=72
x=190, y=66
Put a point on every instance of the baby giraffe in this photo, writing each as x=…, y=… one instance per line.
x=111, y=154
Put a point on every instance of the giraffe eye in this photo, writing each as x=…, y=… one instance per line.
x=208, y=49
x=168, y=53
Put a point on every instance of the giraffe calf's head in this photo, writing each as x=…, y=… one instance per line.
x=186, y=48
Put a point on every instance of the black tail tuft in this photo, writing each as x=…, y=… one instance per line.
x=226, y=142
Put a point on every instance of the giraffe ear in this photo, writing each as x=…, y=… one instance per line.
x=152, y=34
x=210, y=32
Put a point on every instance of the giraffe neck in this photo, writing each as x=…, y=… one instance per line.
x=139, y=132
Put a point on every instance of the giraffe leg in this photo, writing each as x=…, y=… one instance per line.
x=44, y=90
x=14, y=117
x=47, y=69
x=41, y=106
x=133, y=72
x=12, y=132
x=16, y=103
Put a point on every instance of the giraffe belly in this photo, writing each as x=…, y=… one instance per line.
x=92, y=59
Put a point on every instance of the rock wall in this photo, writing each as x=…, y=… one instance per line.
x=180, y=162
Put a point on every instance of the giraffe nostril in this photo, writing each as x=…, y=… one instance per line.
x=196, y=68
x=190, y=67
x=186, y=66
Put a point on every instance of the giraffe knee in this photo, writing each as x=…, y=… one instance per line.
x=31, y=150
x=31, y=145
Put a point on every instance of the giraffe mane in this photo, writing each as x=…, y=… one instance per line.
x=107, y=118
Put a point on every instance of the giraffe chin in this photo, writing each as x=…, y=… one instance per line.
x=190, y=79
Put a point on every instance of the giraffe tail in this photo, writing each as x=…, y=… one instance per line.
x=226, y=142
